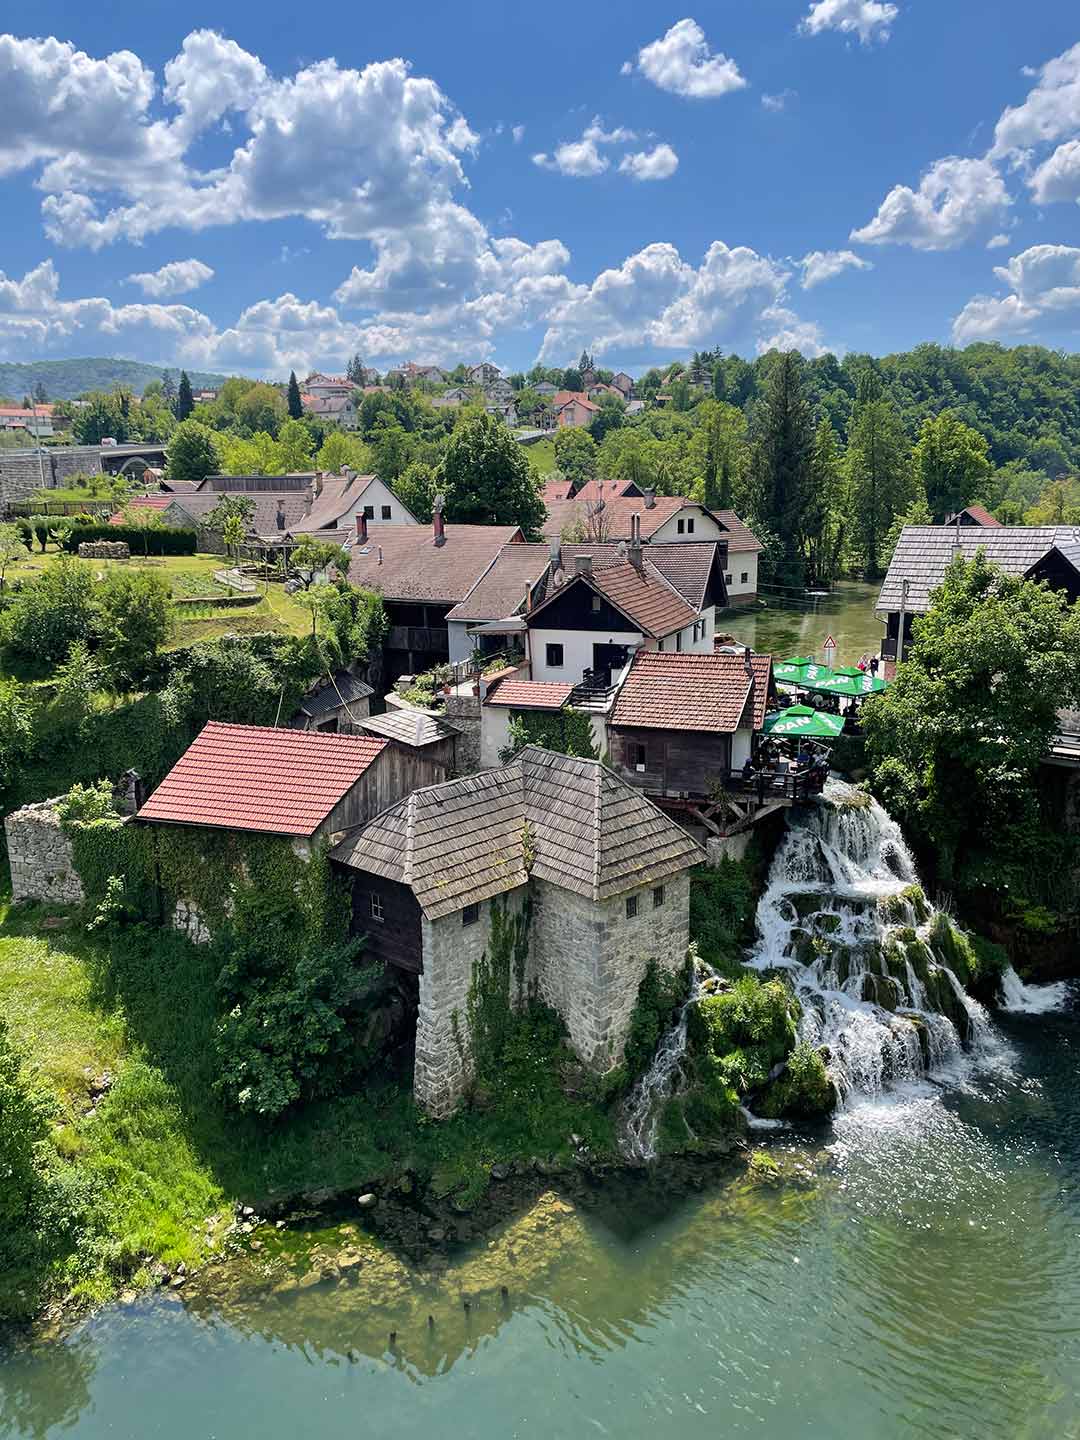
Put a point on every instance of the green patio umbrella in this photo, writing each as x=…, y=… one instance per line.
x=853, y=683
x=802, y=720
x=800, y=670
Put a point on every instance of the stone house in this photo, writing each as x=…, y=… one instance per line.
x=604, y=873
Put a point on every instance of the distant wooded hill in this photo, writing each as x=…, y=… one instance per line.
x=64, y=379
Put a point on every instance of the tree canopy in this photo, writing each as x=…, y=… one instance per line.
x=487, y=480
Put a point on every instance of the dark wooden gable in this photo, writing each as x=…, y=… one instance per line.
x=1059, y=572
x=572, y=609
x=396, y=939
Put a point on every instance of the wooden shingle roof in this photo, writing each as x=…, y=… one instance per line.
x=256, y=777
x=410, y=727
x=464, y=841
x=924, y=553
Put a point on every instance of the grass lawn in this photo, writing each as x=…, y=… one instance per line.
x=541, y=456
x=192, y=576
x=156, y=1163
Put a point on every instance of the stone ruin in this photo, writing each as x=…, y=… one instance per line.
x=104, y=550
x=40, y=855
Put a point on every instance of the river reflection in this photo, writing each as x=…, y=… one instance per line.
x=924, y=1280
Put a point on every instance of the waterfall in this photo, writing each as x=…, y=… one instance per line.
x=867, y=955
x=641, y=1120
x=1021, y=999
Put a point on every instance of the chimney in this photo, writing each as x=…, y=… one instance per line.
x=279, y=518
x=350, y=475
x=748, y=663
x=437, y=524
x=318, y=482
x=635, y=542
x=582, y=564
x=361, y=528
x=555, y=557
x=650, y=499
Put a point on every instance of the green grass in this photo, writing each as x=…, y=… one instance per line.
x=541, y=456
x=159, y=1155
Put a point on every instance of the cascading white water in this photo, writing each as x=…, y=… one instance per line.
x=842, y=914
x=1021, y=999
x=641, y=1120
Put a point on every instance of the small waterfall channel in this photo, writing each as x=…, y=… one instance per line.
x=872, y=962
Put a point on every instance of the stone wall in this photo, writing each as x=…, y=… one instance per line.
x=40, y=855
x=588, y=959
x=464, y=712
x=450, y=949
x=104, y=550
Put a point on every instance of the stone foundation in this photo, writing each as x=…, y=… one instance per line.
x=41, y=857
x=464, y=712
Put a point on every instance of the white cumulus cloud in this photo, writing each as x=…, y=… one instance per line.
x=1058, y=177
x=956, y=199
x=682, y=63
x=869, y=19
x=1050, y=112
x=1044, y=286
x=175, y=278
x=657, y=164
x=821, y=265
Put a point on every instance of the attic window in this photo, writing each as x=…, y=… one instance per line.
x=596, y=602
x=744, y=577
x=369, y=512
x=470, y=915
x=631, y=907
x=377, y=907
x=682, y=527
x=689, y=527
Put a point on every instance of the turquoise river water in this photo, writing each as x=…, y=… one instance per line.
x=918, y=1275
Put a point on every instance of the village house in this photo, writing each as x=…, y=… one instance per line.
x=326, y=386
x=624, y=384
x=924, y=552
x=36, y=421
x=506, y=411
x=573, y=408
x=587, y=628
x=422, y=574
x=973, y=515
x=683, y=726
x=605, y=874
x=499, y=390
x=483, y=374
x=338, y=704
x=545, y=389
x=335, y=409
x=663, y=519
x=301, y=785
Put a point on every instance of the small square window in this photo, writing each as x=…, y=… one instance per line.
x=470, y=915
x=744, y=577
x=631, y=906
x=387, y=512
x=369, y=512
x=689, y=527
x=658, y=897
x=555, y=657
x=377, y=908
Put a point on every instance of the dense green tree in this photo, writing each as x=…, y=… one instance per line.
x=955, y=742
x=354, y=371
x=185, y=400
x=340, y=448
x=571, y=380
x=295, y=448
x=611, y=415
x=575, y=454
x=99, y=419
x=824, y=520
x=721, y=453
x=1058, y=504
x=951, y=461
x=783, y=440
x=487, y=480
x=878, y=466
x=293, y=400
x=193, y=452
x=132, y=625
x=261, y=408
x=45, y=619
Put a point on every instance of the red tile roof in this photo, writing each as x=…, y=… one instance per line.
x=981, y=516
x=145, y=502
x=530, y=694
x=252, y=777
x=665, y=691
x=594, y=490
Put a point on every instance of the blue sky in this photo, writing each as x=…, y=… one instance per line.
x=268, y=187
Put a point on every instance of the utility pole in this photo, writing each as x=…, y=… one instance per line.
x=37, y=442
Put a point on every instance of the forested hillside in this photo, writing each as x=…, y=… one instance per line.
x=64, y=379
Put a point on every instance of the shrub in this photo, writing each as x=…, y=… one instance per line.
x=86, y=802
x=749, y=1026
x=133, y=609
x=722, y=909
x=165, y=540
x=658, y=995
x=804, y=1089
x=46, y=618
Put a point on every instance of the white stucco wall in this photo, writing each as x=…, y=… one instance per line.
x=705, y=528
x=494, y=734
x=741, y=563
x=378, y=494
x=741, y=743
x=577, y=651
x=460, y=641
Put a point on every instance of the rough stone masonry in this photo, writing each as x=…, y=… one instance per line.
x=41, y=858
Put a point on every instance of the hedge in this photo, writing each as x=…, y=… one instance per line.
x=165, y=540
x=198, y=603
